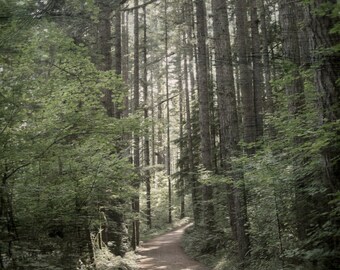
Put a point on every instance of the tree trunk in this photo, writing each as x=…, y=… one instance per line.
x=104, y=44
x=168, y=150
x=227, y=110
x=204, y=114
x=325, y=76
x=118, y=50
x=269, y=105
x=249, y=118
x=188, y=126
x=190, y=97
x=146, y=117
x=257, y=69
x=125, y=60
x=115, y=229
x=7, y=223
x=294, y=91
x=118, y=41
x=181, y=136
x=136, y=159
x=249, y=124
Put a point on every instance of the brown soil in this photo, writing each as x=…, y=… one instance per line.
x=165, y=252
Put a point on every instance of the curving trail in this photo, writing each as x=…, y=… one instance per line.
x=165, y=252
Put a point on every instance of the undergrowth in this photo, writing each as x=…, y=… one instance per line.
x=217, y=254
x=105, y=260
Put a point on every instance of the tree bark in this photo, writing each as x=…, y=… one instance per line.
x=190, y=98
x=294, y=91
x=181, y=136
x=125, y=60
x=104, y=45
x=115, y=219
x=249, y=118
x=118, y=51
x=188, y=127
x=249, y=124
x=325, y=76
x=136, y=159
x=168, y=150
x=204, y=114
x=227, y=109
x=146, y=117
x=257, y=69
x=269, y=105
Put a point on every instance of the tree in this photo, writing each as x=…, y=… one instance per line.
x=323, y=35
x=249, y=123
x=295, y=93
x=257, y=69
x=56, y=195
x=136, y=155
x=73, y=160
x=204, y=115
x=105, y=63
x=146, y=117
x=168, y=150
x=227, y=110
x=104, y=45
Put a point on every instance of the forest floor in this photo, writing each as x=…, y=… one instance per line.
x=165, y=252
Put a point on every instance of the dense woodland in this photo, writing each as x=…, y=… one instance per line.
x=121, y=117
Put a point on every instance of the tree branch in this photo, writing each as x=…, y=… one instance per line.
x=160, y=59
x=165, y=100
x=139, y=6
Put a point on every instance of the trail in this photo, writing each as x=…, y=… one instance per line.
x=165, y=252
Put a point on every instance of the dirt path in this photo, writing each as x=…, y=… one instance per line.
x=165, y=252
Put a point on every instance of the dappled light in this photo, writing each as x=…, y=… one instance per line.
x=123, y=121
x=165, y=252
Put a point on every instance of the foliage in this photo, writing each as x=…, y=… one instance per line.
x=60, y=151
x=65, y=166
x=271, y=176
x=204, y=246
x=105, y=260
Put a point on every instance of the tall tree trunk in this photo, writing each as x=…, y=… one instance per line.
x=190, y=98
x=125, y=60
x=7, y=222
x=212, y=110
x=294, y=91
x=104, y=44
x=115, y=228
x=269, y=105
x=249, y=123
x=257, y=69
x=146, y=117
x=153, y=126
x=118, y=41
x=191, y=48
x=181, y=136
x=160, y=119
x=188, y=126
x=168, y=150
x=291, y=53
x=227, y=109
x=204, y=114
x=325, y=76
x=249, y=118
x=136, y=159
x=118, y=50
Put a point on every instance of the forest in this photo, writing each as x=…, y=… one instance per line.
x=122, y=118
